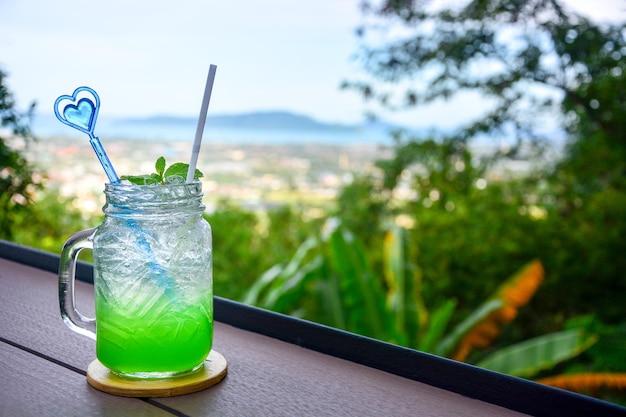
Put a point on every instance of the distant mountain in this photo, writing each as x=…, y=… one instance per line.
x=271, y=120
x=271, y=127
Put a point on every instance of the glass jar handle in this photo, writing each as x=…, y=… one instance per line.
x=67, y=276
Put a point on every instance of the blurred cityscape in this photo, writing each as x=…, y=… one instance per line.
x=255, y=176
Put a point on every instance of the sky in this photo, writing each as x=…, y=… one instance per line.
x=151, y=57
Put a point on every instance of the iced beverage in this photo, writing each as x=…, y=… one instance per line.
x=153, y=280
x=169, y=339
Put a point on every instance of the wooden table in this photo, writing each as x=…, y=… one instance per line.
x=277, y=366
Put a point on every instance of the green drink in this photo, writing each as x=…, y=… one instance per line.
x=152, y=278
x=171, y=340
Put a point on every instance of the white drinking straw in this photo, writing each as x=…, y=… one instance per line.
x=200, y=129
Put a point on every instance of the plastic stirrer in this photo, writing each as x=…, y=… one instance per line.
x=80, y=111
x=201, y=120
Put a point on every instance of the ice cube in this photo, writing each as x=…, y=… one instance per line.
x=174, y=179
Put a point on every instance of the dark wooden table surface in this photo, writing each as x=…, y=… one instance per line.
x=43, y=370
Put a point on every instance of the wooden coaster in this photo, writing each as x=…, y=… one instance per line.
x=214, y=370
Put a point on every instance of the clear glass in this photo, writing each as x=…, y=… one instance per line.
x=152, y=278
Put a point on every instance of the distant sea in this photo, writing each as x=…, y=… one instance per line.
x=263, y=128
x=259, y=128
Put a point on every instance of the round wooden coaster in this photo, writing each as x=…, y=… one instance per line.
x=214, y=370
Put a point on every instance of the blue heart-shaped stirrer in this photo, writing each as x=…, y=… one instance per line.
x=80, y=111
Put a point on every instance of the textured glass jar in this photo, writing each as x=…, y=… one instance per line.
x=152, y=278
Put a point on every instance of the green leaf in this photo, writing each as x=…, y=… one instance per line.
x=361, y=290
x=531, y=356
x=437, y=325
x=253, y=295
x=295, y=287
x=160, y=166
x=268, y=290
x=178, y=169
x=143, y=179
x=448, y=344
x=331, y=296
x=404, y=283
x=181, y=169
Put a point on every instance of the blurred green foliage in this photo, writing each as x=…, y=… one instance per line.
x=18, y=179
x=466, y=226
x=249, y=243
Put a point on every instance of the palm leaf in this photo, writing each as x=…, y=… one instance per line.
x=268, y=288
x=254, y=293
x=587, y=382
x=294, y=287
x=531, y=356
x=437, y=326
x=519, y=289
x=450, y=342
x=513, y=294
x=331, y=299
x=362, y=292
x=404, y=286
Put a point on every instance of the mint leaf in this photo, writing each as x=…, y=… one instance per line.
x=160, y=166
x=143, y=179
x=154, y=179
x=181, y=169
x=135, y=179
x=178, y=169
